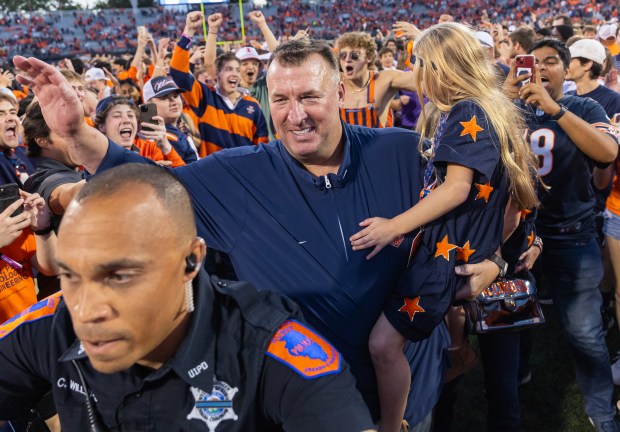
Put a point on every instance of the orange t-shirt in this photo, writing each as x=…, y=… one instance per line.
x=150, y=150
x=17, y=291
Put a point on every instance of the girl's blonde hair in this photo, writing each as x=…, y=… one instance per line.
x=451, y=68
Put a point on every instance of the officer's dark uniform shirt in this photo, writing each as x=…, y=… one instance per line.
x=49, y=175
x=288, y=231
x=247, y=364
x=470, y=233
x=566, y=209
x=179, y=141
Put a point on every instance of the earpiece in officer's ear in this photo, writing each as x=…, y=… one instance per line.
x=190, y=263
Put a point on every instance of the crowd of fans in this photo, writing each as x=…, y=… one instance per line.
x=152, y=82
x=84, y=33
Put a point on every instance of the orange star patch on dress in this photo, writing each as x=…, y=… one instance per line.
x=304, y=351
x=411, y=307
x=524, y=213
x=530, y=238
x=471, y=128
x=444, y=247
x=484, y=191
x=464, y=253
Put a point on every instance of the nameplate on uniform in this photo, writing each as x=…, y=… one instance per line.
x=304, y=351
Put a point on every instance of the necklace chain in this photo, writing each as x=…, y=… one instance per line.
x=365, y=85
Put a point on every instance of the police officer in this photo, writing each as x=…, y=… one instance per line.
x=141, y=339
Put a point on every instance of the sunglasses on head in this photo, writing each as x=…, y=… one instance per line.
x=353, y=54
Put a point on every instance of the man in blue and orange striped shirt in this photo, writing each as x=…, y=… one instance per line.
x=227, y=118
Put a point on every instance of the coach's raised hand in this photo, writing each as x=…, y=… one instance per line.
x=62, y=110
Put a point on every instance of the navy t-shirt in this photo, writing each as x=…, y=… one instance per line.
x=608, y=98
x=567, y=208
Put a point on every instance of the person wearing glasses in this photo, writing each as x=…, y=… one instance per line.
x=367, y=93
x=570, y=135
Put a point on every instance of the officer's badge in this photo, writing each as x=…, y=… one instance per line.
x=214, y=407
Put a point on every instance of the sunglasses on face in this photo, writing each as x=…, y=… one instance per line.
x=353, y=54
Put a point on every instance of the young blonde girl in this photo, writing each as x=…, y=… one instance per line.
x=478, y=161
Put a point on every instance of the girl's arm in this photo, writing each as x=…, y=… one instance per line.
x=380, y=232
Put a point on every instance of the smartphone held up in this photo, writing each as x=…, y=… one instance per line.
x=524, y=65
x=147, y=112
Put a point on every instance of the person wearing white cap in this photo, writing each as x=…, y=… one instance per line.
x=96, y=79
x=488, y=48
x=607, y=35
x=586, y=65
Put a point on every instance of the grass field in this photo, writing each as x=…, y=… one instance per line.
x=551, y=402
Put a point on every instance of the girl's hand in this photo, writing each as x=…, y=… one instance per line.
x=379, y=232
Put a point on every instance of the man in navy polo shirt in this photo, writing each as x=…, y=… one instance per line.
x=284, y=211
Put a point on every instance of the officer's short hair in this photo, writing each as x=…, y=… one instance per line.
x=166, y=187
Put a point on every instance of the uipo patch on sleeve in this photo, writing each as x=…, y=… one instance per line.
x=304, y=351
x=42, y=309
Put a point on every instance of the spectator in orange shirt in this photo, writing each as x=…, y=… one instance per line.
x=21, y=252
x=116, y=117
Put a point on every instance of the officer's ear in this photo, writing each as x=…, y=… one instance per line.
x=194, y=259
